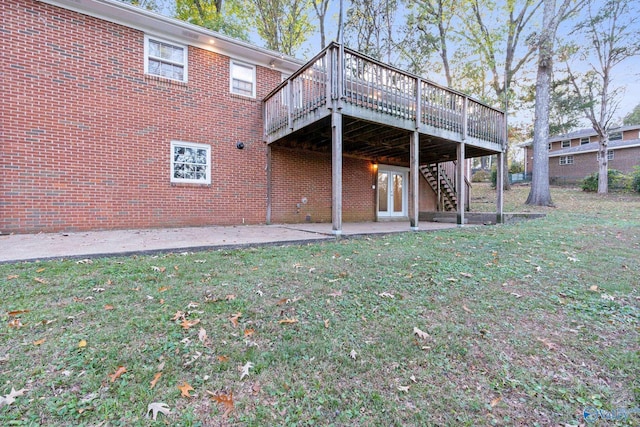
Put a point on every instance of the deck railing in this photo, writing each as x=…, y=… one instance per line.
x=334, y=78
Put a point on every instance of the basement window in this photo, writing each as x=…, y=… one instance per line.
x=190, y=163
x=609, y=155
x=165, y=59
x=566, y=160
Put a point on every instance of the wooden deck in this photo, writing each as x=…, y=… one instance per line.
x=345, y=103
x=380, y=105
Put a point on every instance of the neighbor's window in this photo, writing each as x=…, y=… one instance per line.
x=165, y=59
x=566, y=143
x=609, y=155
x=190, y=162
x=585, y=140
x=550, y=145
x=243, y=79
x=615, y=136
x=566, y=160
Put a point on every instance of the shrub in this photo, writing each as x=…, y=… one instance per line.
x=480, y=176
x=635, y=182
x=615, y=179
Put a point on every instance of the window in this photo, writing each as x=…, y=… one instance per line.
x=609, y=155
x=585, y=140
x=243, y=78
x=566, y=160
x=165, y=59
x=190, y=163
x=550, y=145
x=615, y=136
x=566, y=143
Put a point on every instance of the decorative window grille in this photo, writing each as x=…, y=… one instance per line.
x=190, y=162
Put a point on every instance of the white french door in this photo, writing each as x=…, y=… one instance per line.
x=392, y=193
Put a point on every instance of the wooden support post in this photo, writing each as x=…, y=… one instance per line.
x=500, y=188
x=414, y=201
x=439, y=188
x=460, y=183
x=269, y=188
x=336, y=172
x=289, y=105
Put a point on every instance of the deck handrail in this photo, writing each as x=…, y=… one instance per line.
x=370, y=84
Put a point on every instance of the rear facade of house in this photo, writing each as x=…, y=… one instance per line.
x=116, y=117
x=574, y=156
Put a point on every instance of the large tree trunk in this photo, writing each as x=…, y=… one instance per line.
x=603, y=166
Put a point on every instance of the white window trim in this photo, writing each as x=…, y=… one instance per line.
x=254, y=83
x=565, y=143
x=565, y=160
x=185, y=57
x=610, y=155
x=582, y=140
x=612, y=134
x=190, y=145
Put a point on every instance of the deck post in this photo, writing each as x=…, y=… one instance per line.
x=460, y=183
x=336, y=172
x=414, y=201
x=500, y=188
x=269, y=189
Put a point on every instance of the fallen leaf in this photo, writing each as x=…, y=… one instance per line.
x=413, y=378
x=82, y=344
x=234, y=319
x=39, y=342
x=326, y=323
x=386, y=295
x=283, y=301
x=547, y=343
x=163, y=289
x=186, y=324
x=8, y=399
x=15, y=323
x=466, y=274
x=185, y=389
x=158, y=407
x=249, y=332
x=121, y=370
x=202, y=335
x=495, y=401
x=160, y=269
x=84, y=261
x=176, y=268
x=245, y=369
x=193, y=304
x=13, y=276
x=404, y=388
x=255, y=388
x=572, y=259
x=39, y=280
x=230, y=297
x=224, y=399
x=178, y=315
x=452, y=279
x=593, y=288
x=108, y=307
x=334, y=294
x=353, y=354
x=467, y=309
x=420, y=333
x=155, y=379
x=16, y=312
x=223, y=359
x=288, y=321
x=40, y=270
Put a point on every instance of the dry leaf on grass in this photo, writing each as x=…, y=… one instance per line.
x=495, y=401
x=82, y=343
x=186, y=324
x=158, y=407
x=121, y=370
x=288, y=321
x=234, y=319
x=40, y=341
x=13, y=276
x=39, y=280
x=202, y=335
x=420, y=333
x=8, y=399
x=16, y=312
x=185, y=388
x=547, y=343
x=245, y=369
x=334, y=294
x=386, y=295
x=155, y=379
x=404, y=388
x=467, y=309
x=224, y=399
x=353, y=354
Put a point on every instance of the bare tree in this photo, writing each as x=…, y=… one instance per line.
x=321, y=7
x=613, y=37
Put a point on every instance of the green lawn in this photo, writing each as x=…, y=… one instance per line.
x=522, y=324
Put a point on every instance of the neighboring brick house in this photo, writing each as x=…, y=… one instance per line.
x=116, y=117
x=574, y=155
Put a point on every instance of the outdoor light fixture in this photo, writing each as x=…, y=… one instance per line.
x=240, y=145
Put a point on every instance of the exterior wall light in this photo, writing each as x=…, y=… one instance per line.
x=240, y=145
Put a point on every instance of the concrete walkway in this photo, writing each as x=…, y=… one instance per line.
x=93, y=244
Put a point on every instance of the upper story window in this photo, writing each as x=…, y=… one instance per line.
x=585, y=140
x=190, y=162
x=566, y=143
x=615, y=136
x=243, y=79
x=165, y=59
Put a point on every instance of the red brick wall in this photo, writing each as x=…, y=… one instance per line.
x=585, y=164
x=301, y=174
x=86, y=135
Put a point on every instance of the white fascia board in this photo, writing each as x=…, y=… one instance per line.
x=574, y=153
x=158, y=25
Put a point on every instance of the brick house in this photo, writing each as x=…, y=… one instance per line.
x=574, y=155
x=117, y=117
